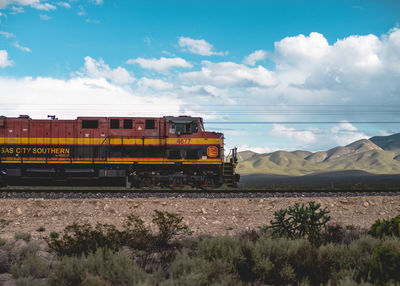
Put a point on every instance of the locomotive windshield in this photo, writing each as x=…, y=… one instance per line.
x=184, y=128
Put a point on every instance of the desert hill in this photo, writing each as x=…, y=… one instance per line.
x=378, y=155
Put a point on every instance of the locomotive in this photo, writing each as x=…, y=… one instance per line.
x=142, y=151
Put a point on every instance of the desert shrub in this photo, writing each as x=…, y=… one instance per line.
x=29, y=281
x=80, y=239
x=101, y=268
x=384, y=266
x=169, y=225
x=300, y=221
x=84, y=239
x=3, y=223
x=2, y=242
x=41, y=229
x=22, y=235
x=31, y=267
x=199, y=271
x=386, y=227
x=4, y=263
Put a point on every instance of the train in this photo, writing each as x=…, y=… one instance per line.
x=168, y=151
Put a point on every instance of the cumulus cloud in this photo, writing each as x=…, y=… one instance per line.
x=36, y=4
x=7, y=35
x=301, y=137
x=21, y=48
x=231, y=74
x=316, y=138
x=64, y=4
x=44, y=17
x=198, y=47
x=98, y=69
x=4, y=60
x=79, y=96
x=162, y=65
x=254, y=57
x=43, y=6
x=156, y=84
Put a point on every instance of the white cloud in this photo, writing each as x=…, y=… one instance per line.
x=43, y=6
x=64, y=4
x=92, y=21
x=36, y=4
x=22, y=48
x=300, y=137
x=317, y=139
x=98, y=69
x=7, y=34
x=156, y=84
x=198, y=47
x=259, y=150
x=81, y=11
x=44, y=17
x=162, y=65
x=231, y=74
x=97, y=2
x=254, y=57
x=4, y=60
x=79, y=96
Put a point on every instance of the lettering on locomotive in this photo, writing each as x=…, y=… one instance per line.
x=183, y=141
x=35, y=150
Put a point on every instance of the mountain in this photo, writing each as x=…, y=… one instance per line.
x=379, y=155
x=388, y=143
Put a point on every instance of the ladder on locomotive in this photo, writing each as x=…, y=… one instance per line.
x=228, y=168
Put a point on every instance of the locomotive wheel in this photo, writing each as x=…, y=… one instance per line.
x=178, y=182
x=208, y=182
x=147, y=182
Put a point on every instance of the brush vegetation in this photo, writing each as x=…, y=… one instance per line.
x=298, y=247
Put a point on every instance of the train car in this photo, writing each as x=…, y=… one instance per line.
x=144, y=151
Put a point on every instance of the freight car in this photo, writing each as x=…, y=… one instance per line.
x=142, y=151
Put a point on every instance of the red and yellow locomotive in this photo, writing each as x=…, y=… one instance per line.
x=160, y=151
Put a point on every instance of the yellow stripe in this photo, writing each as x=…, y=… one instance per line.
x=196, y=162
x=112, y=141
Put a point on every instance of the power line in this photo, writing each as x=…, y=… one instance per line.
x=301, y=122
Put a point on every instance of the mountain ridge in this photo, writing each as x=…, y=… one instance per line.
x=377, y=155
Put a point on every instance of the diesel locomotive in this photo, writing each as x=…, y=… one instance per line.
x=141, y=151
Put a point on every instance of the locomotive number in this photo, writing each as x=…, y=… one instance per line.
x=183, y=141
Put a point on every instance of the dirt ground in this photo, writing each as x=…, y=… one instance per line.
x=204, y=216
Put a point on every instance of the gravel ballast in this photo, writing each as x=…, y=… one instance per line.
x=215, y=216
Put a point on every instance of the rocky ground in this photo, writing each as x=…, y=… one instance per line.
x=204, y=216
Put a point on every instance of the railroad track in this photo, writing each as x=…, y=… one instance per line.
x=50, y=192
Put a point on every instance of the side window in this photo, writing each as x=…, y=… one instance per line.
x=128, y=124
x=172, y=128
x=114, y=124
x=90, y=124
x=195, y=128
x=150, y=124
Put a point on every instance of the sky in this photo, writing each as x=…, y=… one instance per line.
x=271, y=75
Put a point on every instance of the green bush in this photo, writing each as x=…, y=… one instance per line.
x=31, y=267
x=301, y=221
x=386, y=227
x=385, y=266
x=169, y=225
x=80, y=239
x=22, y=235
x=101, y=268
x=4, y=263
x=41, y=229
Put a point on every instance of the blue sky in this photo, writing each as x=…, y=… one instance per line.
x=228, y=61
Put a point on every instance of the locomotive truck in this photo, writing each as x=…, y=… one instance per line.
x=141, y=151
